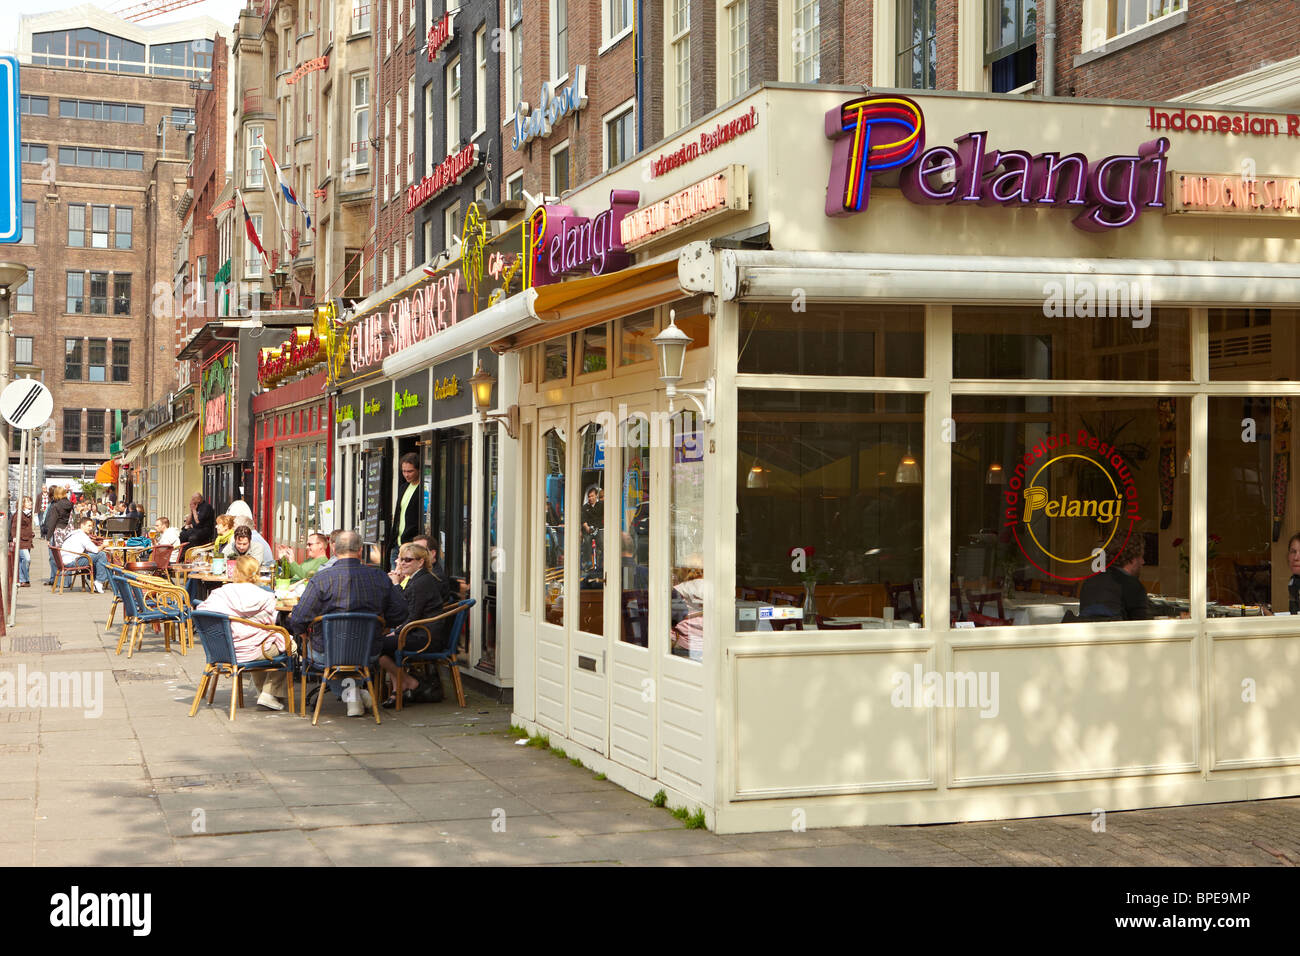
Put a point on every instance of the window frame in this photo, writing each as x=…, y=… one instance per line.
x=902, y=32
x=359, y=149
x=28, y=239
x=29, y=284
x=677, y=44
x=561, y=147
x=609, y=35
x=254, y=142
x=625, y=109
x=812, y=50
x=558, y=60
x=117, y=227
x=79, y=298
x=125, y=365
x=452, y=103
x=72, y=415
x=79, y=351
x=19, y=341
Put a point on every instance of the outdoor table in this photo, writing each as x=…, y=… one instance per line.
x=122, y=554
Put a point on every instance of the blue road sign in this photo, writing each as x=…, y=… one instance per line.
x=11, y=169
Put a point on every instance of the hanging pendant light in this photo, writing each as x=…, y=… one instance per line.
x=994, y=476
x=908, y=472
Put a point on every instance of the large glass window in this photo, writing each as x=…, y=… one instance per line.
x=360, y=120
x=1125, y=15
x=916, y=45
x=738, y=46
x=1068, y=507
x=453, y=106
x=807, y=37
x=99, y=293
x=1247, y=548
x=72, y=362
x=618, y=18
x=23, y=300
x=121, y=360
x=253, y=163
x=34, y=153
x=679, y=40
x=620, y=138
x=122, y=293
x=686, y=536
x=23, y=350
x=34, y=105
x=97, y=366
x=95, y=431
x=591, y=529
x=1010, y=43
x=828, y=505
x=833, y=339
x=635, y=335
x=554, y=468
x=560, y=41
x=99, y=227
x=1135, y=343
x=634, y=531
x=77, y=226
x=29, y=222
x=72, y=429
x=122, y=227
x=491, y=552
x=76, y=293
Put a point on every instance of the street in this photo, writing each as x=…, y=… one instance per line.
x=144, y=784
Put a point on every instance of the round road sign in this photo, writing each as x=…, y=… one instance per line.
x=26, y=403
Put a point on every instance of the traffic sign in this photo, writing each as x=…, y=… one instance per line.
x=26, y=403
x=11, y=179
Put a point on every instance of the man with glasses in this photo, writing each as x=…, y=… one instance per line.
x=317, y=547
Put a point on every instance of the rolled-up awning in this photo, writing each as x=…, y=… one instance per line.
x=134, y=452
x=173, y=437
x=106, y=474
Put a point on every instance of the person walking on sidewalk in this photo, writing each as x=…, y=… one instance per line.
x=25, y=532
x=56, y=516
x=86, y=551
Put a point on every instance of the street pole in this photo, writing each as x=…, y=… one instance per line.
x=18, y=532
x=12, y=275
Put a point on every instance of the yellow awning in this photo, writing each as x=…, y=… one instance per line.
x=134, y=452
x=173, y=437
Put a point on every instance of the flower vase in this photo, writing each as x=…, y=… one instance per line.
x=810, y=606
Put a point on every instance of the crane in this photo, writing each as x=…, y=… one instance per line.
x=152, y=8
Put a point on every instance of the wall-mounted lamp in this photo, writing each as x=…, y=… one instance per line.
x=672, y=343
x=481, y=384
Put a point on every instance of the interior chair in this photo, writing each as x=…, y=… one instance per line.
x=902, y=598
x=459, y=615
x=347, y=648
x=219, y=647
x=979, y=601
x=785, y=599
x=1253, y=586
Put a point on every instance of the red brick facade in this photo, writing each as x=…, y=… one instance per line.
x=402, y=43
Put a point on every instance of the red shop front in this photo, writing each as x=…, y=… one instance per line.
x=293, y=446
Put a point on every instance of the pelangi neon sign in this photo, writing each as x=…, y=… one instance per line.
x=873, y=134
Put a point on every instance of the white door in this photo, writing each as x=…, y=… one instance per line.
x=589, y=538
x=633, y=675
x=551, y=504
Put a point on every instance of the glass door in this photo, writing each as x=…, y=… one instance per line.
x=589, y=543
x=550, y=507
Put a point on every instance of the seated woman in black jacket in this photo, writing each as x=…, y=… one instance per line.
x=204, y=530
x=425, y=590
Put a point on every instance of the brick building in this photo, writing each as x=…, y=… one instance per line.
x=105, y=107
x=457, y=113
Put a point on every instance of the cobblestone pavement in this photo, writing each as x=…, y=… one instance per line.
x=146, y=784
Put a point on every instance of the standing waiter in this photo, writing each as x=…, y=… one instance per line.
x=406, y=512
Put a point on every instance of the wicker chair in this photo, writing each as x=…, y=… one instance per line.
x=219, y=647
x=348, y=644
x=459, y=614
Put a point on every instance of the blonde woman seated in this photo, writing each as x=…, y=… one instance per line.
x=244, y=598
x=225, y=531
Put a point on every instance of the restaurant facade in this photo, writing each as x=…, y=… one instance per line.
x=161, y=457
x=949, y=356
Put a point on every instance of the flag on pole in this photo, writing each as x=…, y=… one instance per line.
x=287, y=190
x=249, y=229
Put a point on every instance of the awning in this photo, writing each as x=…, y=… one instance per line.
x=493, y=323
x=134, y=452
x=106, y=474
x=769, y=276
x=172, y=437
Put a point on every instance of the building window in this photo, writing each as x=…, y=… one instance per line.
x=101, y=112
x=122, y=228
x=1125, y=15
x=99, y=227
x=76, y=292
x=410, y=250
x=620, y=138
x=618, y=18
x=100, y=158
x=34, y=152
x=182, y=117
x=76, y=226
x=23, y=349
x=480, y=79
x=560, y=39
x=34, y=105
x=360, y=16
x=737, y=47
x=360, y=120
x=516, y=54
x=807, y=37
x=97, y=366
x=916, y=45
x=560, y=170
x=428, y=129
x=23, y=302
x=515, y=186
x=29, y=222
x=453, y=106
x=121, y=360
x=122, y=292
x=452, y=220
x=94, y=429
x=410, y=129
x=72, y=366
x=253, y=166
x=99, y=293
x=679, y=58
x=1010, y=47
x=72, y=420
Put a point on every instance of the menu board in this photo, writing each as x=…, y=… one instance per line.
x=372, y=509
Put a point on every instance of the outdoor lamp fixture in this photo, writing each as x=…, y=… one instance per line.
x=994, y=476
x=672, y=343
x=481, y=383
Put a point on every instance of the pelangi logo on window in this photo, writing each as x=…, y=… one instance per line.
x=1068, y=500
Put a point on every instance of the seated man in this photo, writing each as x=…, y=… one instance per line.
x=317, y=544
x=168, y=537
x=1116, y=594
x=349, y=587
x=242, y=542
x=267, y=553
x=82, y=549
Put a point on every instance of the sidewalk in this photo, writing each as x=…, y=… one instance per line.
x=144, y=784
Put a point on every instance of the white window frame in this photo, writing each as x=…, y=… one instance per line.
x=410, y=127
x=386, y=12
x=254, y=174
x=449, y=214
x=519, y=176
x=550, y=168
x=385, y=171
x=410, y=251
x=609, y=37
x=428, y=128
x=626, y=107
x=674, y=101
x=452, y=95
x=480, y=80
x=513, y=97
x=724, y=52
x=357, y=108
x=553, y=56
x=252, y=258
x=812, y=53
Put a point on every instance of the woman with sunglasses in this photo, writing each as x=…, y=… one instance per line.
x=425, y=594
